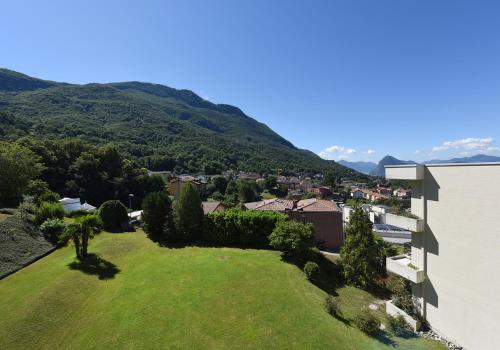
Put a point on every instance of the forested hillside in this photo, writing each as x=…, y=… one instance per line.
x=159, y=127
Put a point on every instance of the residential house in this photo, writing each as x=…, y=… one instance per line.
x=210, y=207
x=321, y=191
x=177, y=183
x=325, y=216
x=402, y=193
x=454, y=262
x=373, y=196
x=386, y=191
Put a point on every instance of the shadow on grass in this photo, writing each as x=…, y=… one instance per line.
x=329, y=277
x=162, y=242
x=92, y=264
x=384, y=338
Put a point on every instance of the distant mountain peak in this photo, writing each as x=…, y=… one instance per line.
x=379, y=170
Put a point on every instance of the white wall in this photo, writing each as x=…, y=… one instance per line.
x=461, y=252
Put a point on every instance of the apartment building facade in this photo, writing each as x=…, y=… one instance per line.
x=454, y=265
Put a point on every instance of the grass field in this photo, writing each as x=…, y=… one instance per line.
x=142, y=296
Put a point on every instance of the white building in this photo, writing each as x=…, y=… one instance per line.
x=455, y=258
x=72, y=204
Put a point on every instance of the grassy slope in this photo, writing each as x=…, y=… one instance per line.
x=175, y=298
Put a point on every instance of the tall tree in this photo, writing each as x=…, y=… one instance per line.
x=361, y=254
x=158, y=217
x=18, y=166
x=189, y=214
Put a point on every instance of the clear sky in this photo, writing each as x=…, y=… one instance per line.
x=417, y=79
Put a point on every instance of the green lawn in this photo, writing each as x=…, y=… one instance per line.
x=144, y=296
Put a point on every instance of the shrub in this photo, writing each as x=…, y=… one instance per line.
x=52, y=229
x=48, y=196
x=367, y=323
x=398, y=325
x=241, y=228
x=157, y=216
x=79, y=213
x=113, y=214
x=292, y=237
x=48, y=210
x=332, y=306
x=311, y=269
x=402, y=296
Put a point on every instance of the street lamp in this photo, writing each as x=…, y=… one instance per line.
x=130, y=196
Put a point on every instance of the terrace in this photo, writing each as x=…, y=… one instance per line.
x=402, y=265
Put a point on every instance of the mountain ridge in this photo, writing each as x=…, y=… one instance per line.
x=362, y=167
x=161, y=127
x=390, y=160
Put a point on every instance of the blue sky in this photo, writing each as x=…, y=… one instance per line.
x=346, y=79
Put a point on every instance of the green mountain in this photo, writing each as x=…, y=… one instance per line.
x=160, y=127
x=379, y=170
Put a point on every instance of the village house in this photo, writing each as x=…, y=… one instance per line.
x=321, y=191
x=387, y=191
x=210, y=207
x=325, y=216
x=402, y=193
x=176, y=184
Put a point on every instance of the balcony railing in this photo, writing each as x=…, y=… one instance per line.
x=406, y=223
x=403, y=266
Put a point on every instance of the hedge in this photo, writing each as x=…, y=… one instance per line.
x=240, y=228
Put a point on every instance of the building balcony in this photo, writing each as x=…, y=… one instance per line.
x=395, y=311
x=404, y=172
x=406, y=223
x=402, y=265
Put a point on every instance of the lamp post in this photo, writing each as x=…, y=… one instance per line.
x=130, y=196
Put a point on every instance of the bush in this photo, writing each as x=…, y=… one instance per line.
x=79, y=213
x=401, y=296
x=292, y=237
x=113, y=214
x=367, y=323
x=311, y=269
x=52, y=229
x=236, y=227
x=48, y=210
x=398, y=325
x=332, y=306
x=48, y=196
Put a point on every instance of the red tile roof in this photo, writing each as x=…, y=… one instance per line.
x=276, y=204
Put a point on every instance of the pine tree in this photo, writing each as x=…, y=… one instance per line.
x=158, y=217
x=360, y=255
x=189, y=214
